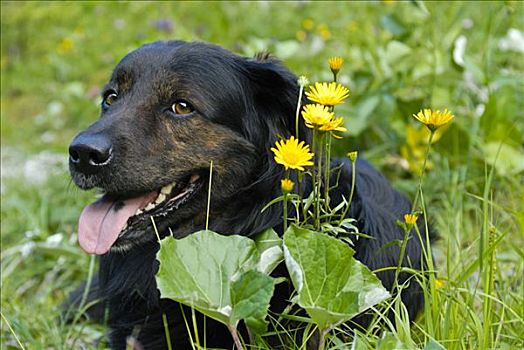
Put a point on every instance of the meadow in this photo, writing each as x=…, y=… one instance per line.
x=399, y=57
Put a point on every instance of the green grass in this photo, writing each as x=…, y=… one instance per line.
x=399, y=59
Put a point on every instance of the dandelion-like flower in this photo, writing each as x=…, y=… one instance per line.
x=410, y=219
x=316, y=115
x=328, y=94
x=335, y=124
x=335, y=63
x=433, y=119
x=286, y=185
x=292, y=154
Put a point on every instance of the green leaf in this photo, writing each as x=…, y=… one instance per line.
x=332, y=285
x=360, y=114
x=506, y=159
x=434, y=345
x=389, y=341
x=250, y=297
x=204, y=270
x=269, y=246
x=392, y=24
x=396, y=51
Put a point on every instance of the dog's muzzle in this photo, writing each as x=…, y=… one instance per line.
x=88, y=153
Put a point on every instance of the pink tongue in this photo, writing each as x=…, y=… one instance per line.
x=101, y=222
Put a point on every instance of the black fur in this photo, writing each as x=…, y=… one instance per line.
x=242, y=106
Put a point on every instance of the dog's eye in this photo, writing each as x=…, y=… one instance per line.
x=108, y=101
x=182, y=107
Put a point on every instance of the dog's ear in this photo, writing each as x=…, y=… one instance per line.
x=274, y=92
x=271, y=94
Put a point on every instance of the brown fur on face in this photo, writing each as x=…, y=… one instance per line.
x=152, y=146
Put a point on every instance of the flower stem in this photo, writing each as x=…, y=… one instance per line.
x=419, y=188
x=300, y=199
x=314, y=175
x=284, y=207
x=285, y=212
x=327, y=170
x=403, y=246
x=297, y=115
x=318, y=151
x=353, y=179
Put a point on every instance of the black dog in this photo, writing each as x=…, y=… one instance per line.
x=170, y=109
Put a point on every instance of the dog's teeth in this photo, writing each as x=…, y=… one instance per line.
x=194, y=178
x=149, y=207
x=161, y=197
x=138, y=212
x=122, y=231
x=166, y=189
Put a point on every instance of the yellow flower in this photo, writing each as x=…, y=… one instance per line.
x=334, y=125
x=433, y=119
x=292, y=154
x=286, y=185
x=319, y=117
x=335, y=63
x=410, y=219
x=301, y=35
x=328, y=94
x=308, y=24
x=316, y=115
x=439, y=283
x=66, y=45
x=324, y=32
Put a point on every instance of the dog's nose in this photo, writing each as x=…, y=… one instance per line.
x=89, y=152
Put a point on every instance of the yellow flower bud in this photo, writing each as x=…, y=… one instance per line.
x=353, y=156
x=286, y=185
x=335, y=63
x=410, y=219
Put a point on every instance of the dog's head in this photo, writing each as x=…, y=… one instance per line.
x=169, y=110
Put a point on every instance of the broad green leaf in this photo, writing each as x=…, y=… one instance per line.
x=506, y=159
x=396, y=51
x=392, y=24
x=360, y=116
x=269, y=246
x=332, y=285
x=200, y=270
x=250, y=297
